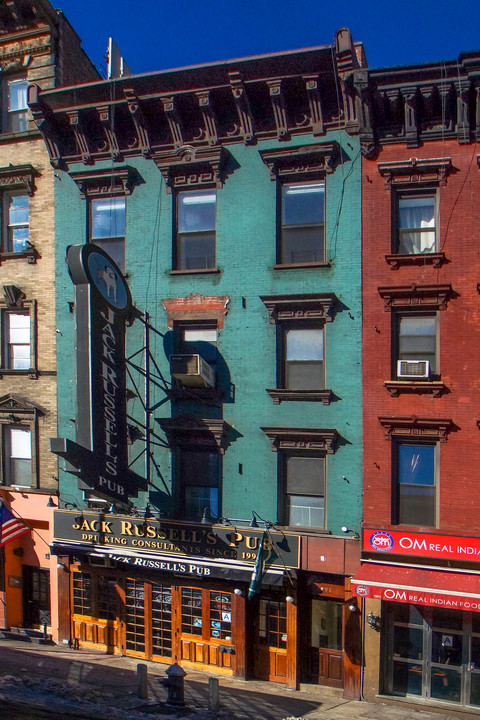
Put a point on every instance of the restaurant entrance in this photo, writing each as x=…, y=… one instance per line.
x=432, y=653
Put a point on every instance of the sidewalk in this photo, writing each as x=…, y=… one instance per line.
x=115, y=679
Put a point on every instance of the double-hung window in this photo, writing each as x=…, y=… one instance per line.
x=199, y=478
x=107, y=226
x=16, y=210
x=417, y=345
x=302, y=228
x=417, y=223
x=17, y=455
x=15, y=105
x=302, y=469
x=415, y=491
x=17, y=340
x=195, y=236
x=302, y=502
x=303, y=357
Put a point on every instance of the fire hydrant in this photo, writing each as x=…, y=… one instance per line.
x=174, y=682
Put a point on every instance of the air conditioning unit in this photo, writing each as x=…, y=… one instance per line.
x=192, y=371
x=417, y=369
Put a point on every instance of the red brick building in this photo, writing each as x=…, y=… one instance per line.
x=420, y=575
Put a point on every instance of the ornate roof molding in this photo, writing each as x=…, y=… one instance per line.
x=18, y=177
x=188, y=166
x=302, y=160
x=416, y=297
x=415, y=170
x=246, y=125
x=110, y=181
x=190, y=430
x=300, y=307
x=196, y=307
x=416, y=428
x=305, y=439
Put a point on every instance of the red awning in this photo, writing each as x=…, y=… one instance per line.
x=418, y=586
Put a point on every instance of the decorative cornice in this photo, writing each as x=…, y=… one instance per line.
x=303, y=160
x=300, y=307
x=415, y=170
x=416, y=297
x=193, y=431
x=13, y=296
x=305, y=439
x=111, y=181
x=18, y=177
x=188, y=166
x=196, y=307
x=416, y=428
x=10, y=405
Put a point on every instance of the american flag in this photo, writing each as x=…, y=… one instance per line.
x=10, y=526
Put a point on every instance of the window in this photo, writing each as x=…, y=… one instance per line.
x=416, y=483
x=300, y=321
x=417, y=341
x=302, y=458
x=16, y=105
x=199, y=477
x=17, y=334
x=16, y=222
x=303, y=498
x=303, y=353
x=197, y=338
x=417, y=223
x=17, y=445
x=302, y=233
x=107, y=227
x=195, y=231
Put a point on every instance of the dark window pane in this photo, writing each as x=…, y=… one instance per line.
x=306, y=475
x=197, y=498
x=196, y=251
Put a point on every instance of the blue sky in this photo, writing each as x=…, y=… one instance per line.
x=155, y=35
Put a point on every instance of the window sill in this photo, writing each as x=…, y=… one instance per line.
x=283, y=394
x=426, y=387
x=294, y=266
x=30, y=255
x=435, y=259
x=31, y=373
x=195, y=271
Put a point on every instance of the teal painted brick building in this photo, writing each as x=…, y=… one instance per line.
x=230, y=195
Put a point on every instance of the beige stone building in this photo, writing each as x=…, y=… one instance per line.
x=38, y=47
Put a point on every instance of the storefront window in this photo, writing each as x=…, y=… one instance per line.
x=192, y=611
x=82, y=594
x=161, y=620
x=134, y=602
x=107, y=598
x=221, y=615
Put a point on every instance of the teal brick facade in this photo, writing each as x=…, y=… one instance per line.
x=246, y=231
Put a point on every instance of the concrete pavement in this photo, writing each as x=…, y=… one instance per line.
x=115, y=678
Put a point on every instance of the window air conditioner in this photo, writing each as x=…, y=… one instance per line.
x=192, y=371
x=413, y=369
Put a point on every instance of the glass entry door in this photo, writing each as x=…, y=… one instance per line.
x=432, y=653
